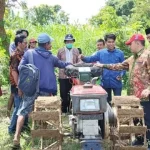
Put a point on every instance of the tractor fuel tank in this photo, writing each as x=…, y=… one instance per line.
x=88, y=99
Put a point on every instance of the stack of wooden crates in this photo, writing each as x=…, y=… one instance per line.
x=46, y=124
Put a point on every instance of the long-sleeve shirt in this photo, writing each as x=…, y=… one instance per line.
x=105, y=56
x=139, y=71
x=46, y=63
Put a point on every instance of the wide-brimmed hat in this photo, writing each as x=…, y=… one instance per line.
x=69, y=37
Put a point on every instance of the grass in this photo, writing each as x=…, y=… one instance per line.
x=6, y=139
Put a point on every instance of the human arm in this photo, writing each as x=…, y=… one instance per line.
x=146, y=92
x=90, y=59
x=119, y=66
x=60, y=64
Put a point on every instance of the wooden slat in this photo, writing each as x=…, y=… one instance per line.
x=132, y=129
x=48, y=102
x=125, y=101
x=131, y=112
x=133, y=148
x=46, y=133
x=46, y=116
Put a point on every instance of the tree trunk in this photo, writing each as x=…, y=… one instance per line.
x=4, y=41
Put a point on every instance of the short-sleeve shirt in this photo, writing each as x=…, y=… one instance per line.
x=15, y=59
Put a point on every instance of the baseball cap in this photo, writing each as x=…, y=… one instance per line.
x=32, y=40
x=135, y=37
x=69, y=37
x=44, y=38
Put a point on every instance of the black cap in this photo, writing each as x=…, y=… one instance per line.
x=69, y=37
x=147, y=31
x=18, y=32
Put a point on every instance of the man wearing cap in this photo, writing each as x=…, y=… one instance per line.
x=45, y=62
x=139, y=73
x=67, y=54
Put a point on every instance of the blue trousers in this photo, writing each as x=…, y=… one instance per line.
x=116, y=91
x=12, y=127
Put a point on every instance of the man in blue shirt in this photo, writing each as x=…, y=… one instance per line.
x=111, y=80
x=46, y=63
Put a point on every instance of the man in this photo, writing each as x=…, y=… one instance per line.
x=12, y=48
x=45, y=62
x=100, y=44
x=111, y=80
x=67, y=54
x=20, y=43
x=139, y=69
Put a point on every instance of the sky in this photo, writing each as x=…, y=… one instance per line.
x=78, y=10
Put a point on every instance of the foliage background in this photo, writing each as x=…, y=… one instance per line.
x=122, y=18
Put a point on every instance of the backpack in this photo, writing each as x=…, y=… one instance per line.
x=29, y=76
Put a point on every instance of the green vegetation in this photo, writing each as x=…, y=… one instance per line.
x=120, y=17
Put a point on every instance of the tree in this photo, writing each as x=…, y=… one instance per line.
x=141, y=13
x=45, y=14
x=3, y=36
x=6, y=5
x=122, y=7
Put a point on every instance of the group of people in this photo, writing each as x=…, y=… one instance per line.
x=107, y=56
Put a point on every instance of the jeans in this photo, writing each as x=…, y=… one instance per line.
x=146, y=107
x=12, y=127
x=116, y=91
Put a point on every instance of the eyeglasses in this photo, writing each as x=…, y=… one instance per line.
x=33, y=42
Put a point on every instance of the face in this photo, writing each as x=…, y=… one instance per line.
x=24, y=33
x=48, y=46
x=22, y=46
x=134, y=46
x=33, y=44
x=110, y=44
x=100, y=45
x=148, y=37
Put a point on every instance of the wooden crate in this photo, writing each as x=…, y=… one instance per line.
x=47, y=124
x=127, y=110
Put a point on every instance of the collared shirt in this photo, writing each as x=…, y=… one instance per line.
x=139, y=71
x=105, y=56
x=14, y=63
x=69, y=55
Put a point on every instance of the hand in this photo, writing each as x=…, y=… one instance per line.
x=145, y=93
x=20, y=93
x=81, y=56
x=98, y=65
x=119, y=78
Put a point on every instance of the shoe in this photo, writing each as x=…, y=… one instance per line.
x=138, y=141
x=16, y=147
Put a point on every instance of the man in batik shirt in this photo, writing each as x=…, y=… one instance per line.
x=139, y=73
